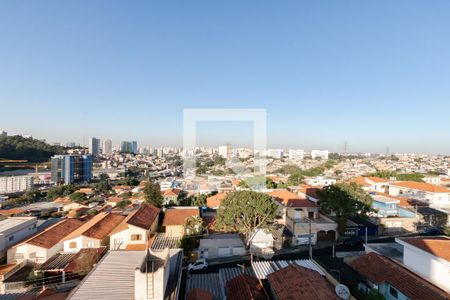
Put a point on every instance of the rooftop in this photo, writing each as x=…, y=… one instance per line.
x=98, y=227
x=296, y=282
x=378, y=269
x=421, y=186
x=439, y=246
x=54, y=234
x=178, y=216
x=245, y=287
x=13, y=222
x=290, y=199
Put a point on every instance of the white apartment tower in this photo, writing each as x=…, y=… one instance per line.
x=107, y=147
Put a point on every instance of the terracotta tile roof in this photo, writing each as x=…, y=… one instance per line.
x=144, y=216
x=171, y=192
x=73, y=264
x=122, y=187
x=85, y=190
x=178, y=216
x=290, y=199
x=4, y=269
x=421, y=186
x=136, y=247
x=378, y=269
x=62, y=200
x=296, y=282
x=50, y=294
x=11, y=211
x=54, y=234
x=114, y=199
x=98, y=227
x=216, y=200
x=377, y=179
x=439, y=246
x=245, y=287
x=198, y=294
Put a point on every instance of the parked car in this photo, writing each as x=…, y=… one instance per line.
x=200, y=264
x=430, y=231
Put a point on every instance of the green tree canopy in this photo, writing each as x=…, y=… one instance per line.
x=19, y=147
x=77, y=197
x=194, y=225
x=344, y=200
x=244, y=211
x=152, y=192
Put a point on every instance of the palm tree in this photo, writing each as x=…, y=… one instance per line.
x=194, y=225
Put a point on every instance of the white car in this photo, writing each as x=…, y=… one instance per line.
x=200, y=264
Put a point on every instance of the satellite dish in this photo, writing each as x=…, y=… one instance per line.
x=342, y=291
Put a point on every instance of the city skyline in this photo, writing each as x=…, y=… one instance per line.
x=326, y=74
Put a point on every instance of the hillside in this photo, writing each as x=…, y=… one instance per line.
x=18, y=147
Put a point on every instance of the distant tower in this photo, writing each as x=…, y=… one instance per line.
x=387, y=151
x=345, y=147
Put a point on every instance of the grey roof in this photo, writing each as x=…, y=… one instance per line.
x=113, y=277
x=391, y=250
x=162, y=241
x=57, y=261
x=209, y=282
x=264, y=268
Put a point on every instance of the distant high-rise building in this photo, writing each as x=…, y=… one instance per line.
x=225, y=151
x=70, y=145
x=94, y=146
x=322, y=154
x=128, y=147
x=71, y=168
x=275, y=153
x=296, y=154
x=3, y=133
x=107, y=147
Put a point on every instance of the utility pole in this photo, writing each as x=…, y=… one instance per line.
x=366, y=234
x=309, y=238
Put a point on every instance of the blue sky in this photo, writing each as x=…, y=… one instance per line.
x=373, y=73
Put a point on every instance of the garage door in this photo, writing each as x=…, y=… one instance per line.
x=223, y=252
x=238, y=250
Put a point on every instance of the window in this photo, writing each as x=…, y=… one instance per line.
x=73, y=245
x=135, y=237
x=11, y=238
x=311, y=215
x=90, y=244
x=393, y=292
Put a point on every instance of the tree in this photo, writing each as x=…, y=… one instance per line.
x=296, y=178
x=194, y=225
x=344, y=200
x=152, y=192
x=244, y=211
x=77, y=197
x=198, y=200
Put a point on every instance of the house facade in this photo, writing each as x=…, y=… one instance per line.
x=175, y=218
x=136, y=228
x=435, y=196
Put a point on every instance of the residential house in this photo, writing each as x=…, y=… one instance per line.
x=175, y=218
x=261, y=242
x=45, y=244
x=429, y=258
x=302, y=216
x=319, y=181
x=306, y=191
x=297, y=282
x=372, y=184
x=435, y=196
x=120, y=189
x=391, y=218
x=171, y=196
x=94, y=233
x=214, y=201
x=136, y=228
x=221, y=245
x=15, y=229
x=65, y=204
x=138, y=275
x=393, y=280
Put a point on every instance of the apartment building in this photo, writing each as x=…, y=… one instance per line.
x=15, y=184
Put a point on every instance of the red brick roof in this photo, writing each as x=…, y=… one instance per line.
x=144, y=216
x=439, y=247
x=54, y=234
x=296, y=282
x=171, y=192
x=290, y=199
x=216, y=200
x=378, y=269
x=245, y=287
x=421, y=186
x=98, y=227
x=178, y=216
x=199, y=294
